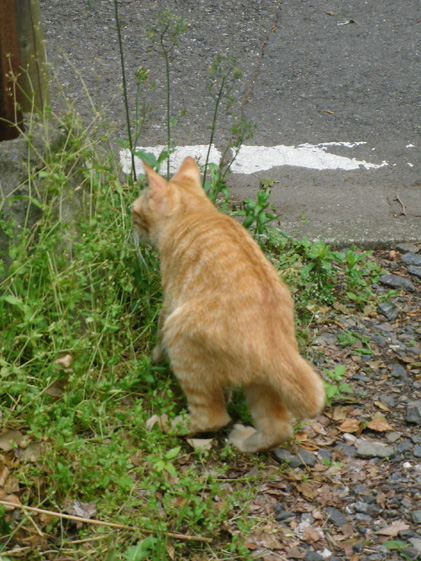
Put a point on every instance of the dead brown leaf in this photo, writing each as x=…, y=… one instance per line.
x=340, y=412
x=311, y=535
x=9, y=499
x=307, y=491
x=200, y=443
x=295, y=553
x=348, y=530
x=4, y=474
x=64, y=361
x=393, y=529
x=350, y=425
x=9, y=438
x=263, y=539
x=382, y=406
x=379, y=425
x=340, y=307
x=12, y=485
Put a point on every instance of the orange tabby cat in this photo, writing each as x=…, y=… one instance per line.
x=227, y=320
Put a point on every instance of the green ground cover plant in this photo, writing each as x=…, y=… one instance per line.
x=78, y=312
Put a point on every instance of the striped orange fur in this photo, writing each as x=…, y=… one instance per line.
x=227, y=320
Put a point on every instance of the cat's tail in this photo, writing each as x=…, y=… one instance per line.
x=301, y=388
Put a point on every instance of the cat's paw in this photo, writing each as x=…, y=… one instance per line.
x=160, y=420
x=181, y=423
x=239, y=435
x=158, y=354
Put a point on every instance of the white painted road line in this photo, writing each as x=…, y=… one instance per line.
x=253, y=159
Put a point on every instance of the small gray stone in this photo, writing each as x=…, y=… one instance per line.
x=416, y=271
x=398, y=371
x=388, y=310
x=379, y=340
x=416, y=544
x=327, y=339
x=392, y=437
x=325, y=455
x=313, y=556
x=416, y=516
x=350, y=451
x=307, y=457
x=415, y=350
x=413, y=412
x=395, y=281
x=412, y=259
x=417, y=451
x=282, y=455
x=336, y=516
x=362, y=507
x=404, y=446
x=375, y=450
x=284, y=515
x=407, y=248
x=388, y=400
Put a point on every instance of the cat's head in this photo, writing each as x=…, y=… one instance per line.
x=162, y=198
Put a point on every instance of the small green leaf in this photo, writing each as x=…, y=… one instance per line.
x=13, y=300
x=172, y=453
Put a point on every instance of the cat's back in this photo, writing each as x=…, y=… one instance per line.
x=208, y=251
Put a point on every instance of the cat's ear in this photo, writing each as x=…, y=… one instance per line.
x=188, y=170
x=158, y=186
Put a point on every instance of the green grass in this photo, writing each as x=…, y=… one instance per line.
x=78, y=313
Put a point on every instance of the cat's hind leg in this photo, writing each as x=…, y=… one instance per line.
x=272, y=420
x=207, y=412
x=207, y=407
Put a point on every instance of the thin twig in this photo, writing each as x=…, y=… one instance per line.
x=126, y=102
x=16, y=551
x=401, y=203
x=101, y=523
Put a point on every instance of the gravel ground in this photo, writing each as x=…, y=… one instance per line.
x=370, y=442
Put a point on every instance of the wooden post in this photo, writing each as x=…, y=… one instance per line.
x=10, y=115
x=32, y=59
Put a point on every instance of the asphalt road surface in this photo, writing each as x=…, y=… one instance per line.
x=321, y=79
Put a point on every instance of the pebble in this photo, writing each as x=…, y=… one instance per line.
x=327, y=339
x=336, y=516
x=389, y=310
x=398, y=371
x=413, y=412
x=395, y=281
x=301, y=457
x=404, y=446
x=407, y=248
x=416, y=544
x=306, y=457
x=313, y=556
x=379, y=340
x=350, y=451
x=417, y=450
x=375, y=450
x=325, y=455
x=392, y=437
x=416, y=271
x=411, y=259
x=282, y=514
x=416, y=516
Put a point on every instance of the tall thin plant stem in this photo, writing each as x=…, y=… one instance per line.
x=213, y=127
x=167, y=70
x=126, y=102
